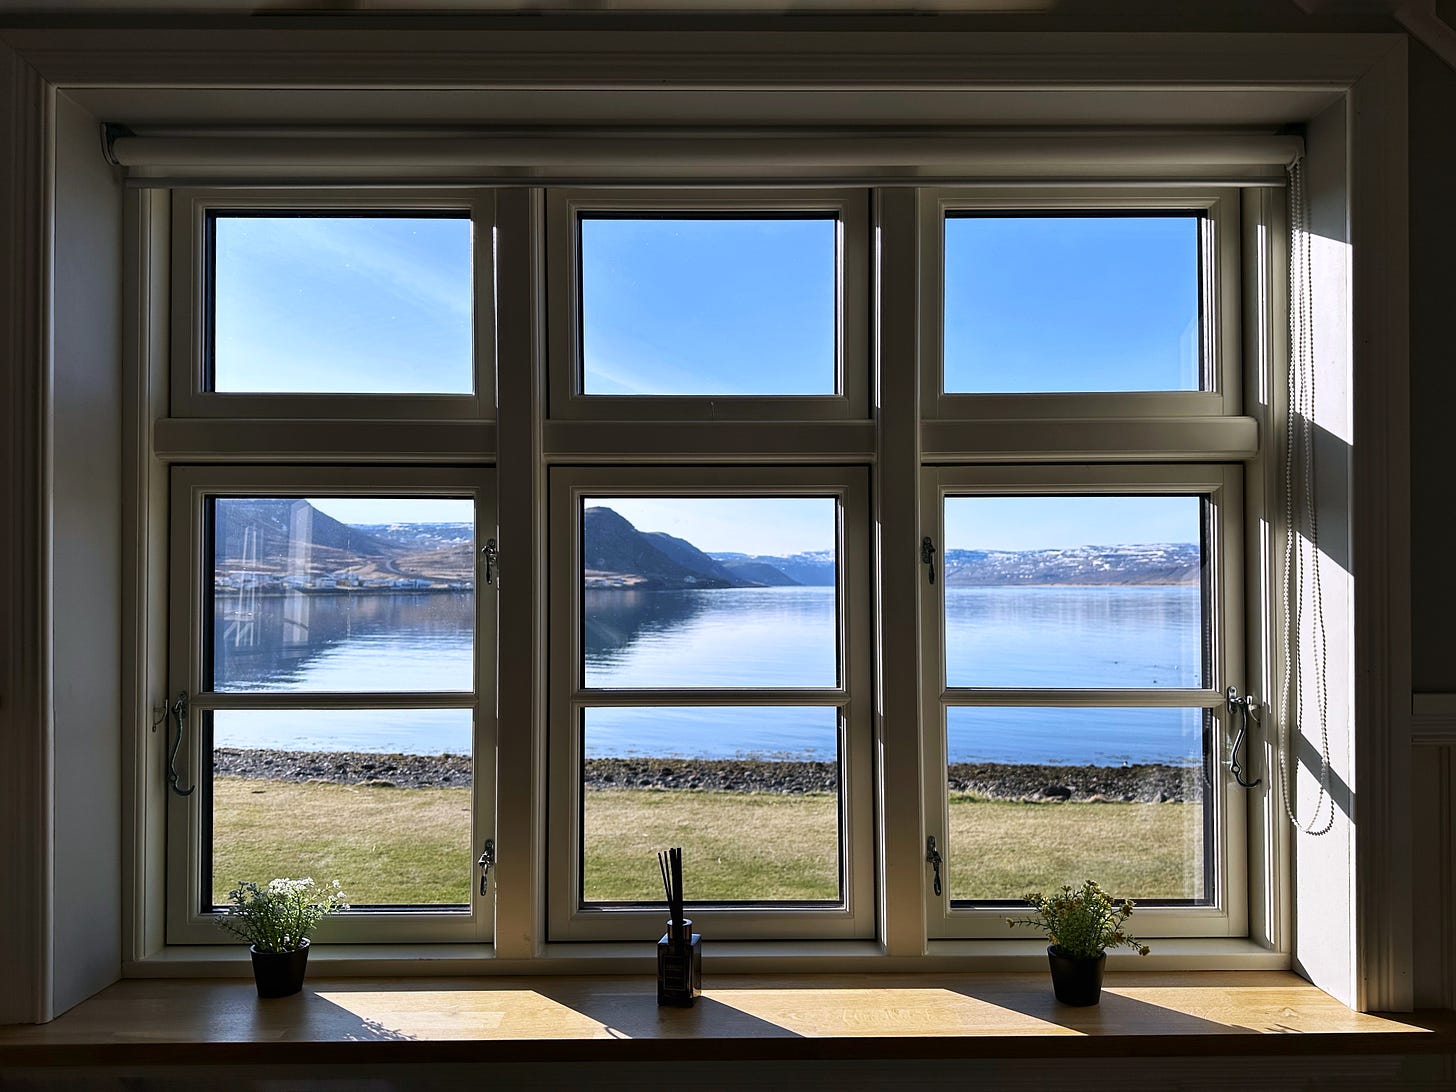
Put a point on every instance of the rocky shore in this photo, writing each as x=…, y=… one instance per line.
x=1145, y=783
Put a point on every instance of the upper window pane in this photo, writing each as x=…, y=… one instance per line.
x=315, y=303
x=342, y=594
x=710, y=592
x=709, y=304
x=1071, y=592
x=1072, y=303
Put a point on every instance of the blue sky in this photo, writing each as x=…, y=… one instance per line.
x=706, y=306
x=331, y=304
x=1045, y=523
x=357, y=510
x=1071, y=303
x=682, y=306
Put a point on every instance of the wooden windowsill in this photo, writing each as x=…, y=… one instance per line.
x=739, y=1018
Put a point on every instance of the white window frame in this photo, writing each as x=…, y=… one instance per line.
x=1219, y=280
x=854, y=916
x=191, y=575
x=1226, y=914
x=608, y=431
x=567, y=401
x=190, y=396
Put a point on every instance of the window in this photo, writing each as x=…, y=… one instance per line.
x=1098, y=303
x=702, y=516
x=336, y=305
x=1083, y=628
x=710, y=304
x=711, y=690
x=335, y=653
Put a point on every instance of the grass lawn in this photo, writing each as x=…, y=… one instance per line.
x=736, y=846
x=412, y=846
x=1003, y=849
x=385, y=846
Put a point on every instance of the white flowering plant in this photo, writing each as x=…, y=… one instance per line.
x=280, y=916
x=1083, y=922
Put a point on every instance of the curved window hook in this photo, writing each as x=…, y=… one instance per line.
x=176, y=712
x=1242, y=707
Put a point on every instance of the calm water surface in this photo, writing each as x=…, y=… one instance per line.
x=770, y=637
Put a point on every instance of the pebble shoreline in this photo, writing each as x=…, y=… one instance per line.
x=1143, y=784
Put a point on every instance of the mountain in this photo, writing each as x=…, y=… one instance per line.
x=814, y=568
x=1142, y=563
x=691, y=558
x=279, y=523
x=759, y=572
x=617, y=555
x=420, y=536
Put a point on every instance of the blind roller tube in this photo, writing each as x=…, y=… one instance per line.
x=628, y=154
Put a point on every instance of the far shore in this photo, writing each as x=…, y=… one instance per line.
x=1148, y=783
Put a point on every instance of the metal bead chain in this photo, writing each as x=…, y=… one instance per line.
x=1296, y=582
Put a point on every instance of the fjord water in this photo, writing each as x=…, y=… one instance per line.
x=1115, y=636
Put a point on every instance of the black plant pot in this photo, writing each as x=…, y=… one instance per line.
x=280, y=974
x=1076, y=980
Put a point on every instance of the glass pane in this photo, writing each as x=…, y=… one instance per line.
x=1072, y=303
x=1041, y=797
x=378, y=799
x=353, y=304
x=1075, y=592
x=705, y=592
x=342, y=594
x=751, y=795
x=708, y=305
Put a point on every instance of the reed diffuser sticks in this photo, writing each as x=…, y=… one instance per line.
x=679, y=952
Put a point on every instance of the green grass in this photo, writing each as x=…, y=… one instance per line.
x=736, y=846
x=385, y=846
x=1003, y=849
x=412, y=846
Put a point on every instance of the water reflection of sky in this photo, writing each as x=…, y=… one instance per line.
x=773, y=637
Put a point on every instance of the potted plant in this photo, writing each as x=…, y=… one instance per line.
x=276, y=920
x=1081, y=925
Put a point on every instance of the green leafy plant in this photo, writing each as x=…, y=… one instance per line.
x=279, y=917
x=1082, y=922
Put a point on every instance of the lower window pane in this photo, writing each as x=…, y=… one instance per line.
x=750, y=794
x=378, y=799
x=1041, y=797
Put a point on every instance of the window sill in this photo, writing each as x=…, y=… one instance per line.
x=739, y=1018
x=1178, y=955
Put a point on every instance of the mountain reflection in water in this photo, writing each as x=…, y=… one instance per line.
x=353, y=641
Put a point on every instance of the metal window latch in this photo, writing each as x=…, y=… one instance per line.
x=177, y=714
x=932, y=858
x=1243, y=708
x=927, y=556
x=485, y=863
x=492, y=560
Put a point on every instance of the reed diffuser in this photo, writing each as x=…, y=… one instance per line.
x=680, y=951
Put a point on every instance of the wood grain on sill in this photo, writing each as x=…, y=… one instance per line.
x=743, y=1017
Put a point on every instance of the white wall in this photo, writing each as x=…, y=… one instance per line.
x=86, y=561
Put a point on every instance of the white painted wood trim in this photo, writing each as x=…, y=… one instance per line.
x=25, y=706
x=1380, y=519
x=898, y=346
x=520, y=873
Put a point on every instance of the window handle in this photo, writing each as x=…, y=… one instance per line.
x=1243, y=708
x=932, y=858
x=492, y=560
x=927, y=556
x=485, y=863
x=176, y=713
